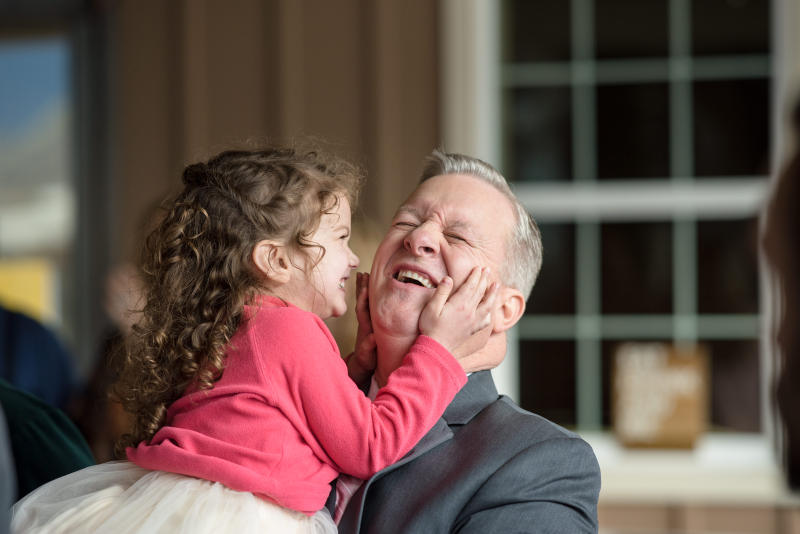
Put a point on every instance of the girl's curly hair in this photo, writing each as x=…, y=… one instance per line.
x=198, y=272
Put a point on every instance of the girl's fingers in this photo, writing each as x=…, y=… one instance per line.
x=368, y=343
x=469, y=287
x=362, y=302
x=441, y=295
x=483, y=285
x=471, y=282
x=489, y=296
x=362, y=293
x=485, y=307
x=362, y=283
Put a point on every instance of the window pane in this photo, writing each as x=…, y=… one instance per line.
x=539, y=121
x=735, y=386
x=731, y=128
x=636, y=268
x=631, y=28
x=633, y=131
x=37, y=205
x=727, y=257
x=547, y=379
x=554, y=292
x=537, y=30
x=730, y=27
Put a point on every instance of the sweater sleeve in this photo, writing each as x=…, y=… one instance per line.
x=358, y=436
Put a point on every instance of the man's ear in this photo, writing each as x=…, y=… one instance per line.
x=510, y=309
x=272, y=260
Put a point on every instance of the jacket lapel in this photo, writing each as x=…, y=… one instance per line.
x=351, y=519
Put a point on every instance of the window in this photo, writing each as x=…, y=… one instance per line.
x=38, y=205
x=638, y=135
x=54, y=167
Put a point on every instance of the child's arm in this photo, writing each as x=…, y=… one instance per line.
x=336, y=420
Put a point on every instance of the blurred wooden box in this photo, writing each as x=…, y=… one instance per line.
x=660, y=394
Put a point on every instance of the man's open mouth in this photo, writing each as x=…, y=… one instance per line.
x=413, y=277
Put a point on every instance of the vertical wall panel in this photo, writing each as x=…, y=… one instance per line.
x=402, y=84
x=193, y=77
x=145, y=118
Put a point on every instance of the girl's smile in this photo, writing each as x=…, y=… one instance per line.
x=318, y=283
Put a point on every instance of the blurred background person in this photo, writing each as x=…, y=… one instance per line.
x=99, y=415
x=45, y=443
x=34, y=359
x=781, y=242
x=8, y=482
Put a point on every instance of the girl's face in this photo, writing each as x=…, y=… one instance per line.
x=320, y=288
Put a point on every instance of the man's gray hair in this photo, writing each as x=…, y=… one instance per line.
x=524, y=245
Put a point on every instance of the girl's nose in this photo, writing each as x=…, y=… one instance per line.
x=354, y=260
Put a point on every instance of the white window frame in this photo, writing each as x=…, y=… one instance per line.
x=470, y=100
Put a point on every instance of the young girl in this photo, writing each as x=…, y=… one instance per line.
x=244, y=411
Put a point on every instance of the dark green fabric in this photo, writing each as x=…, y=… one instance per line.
x=45, y=443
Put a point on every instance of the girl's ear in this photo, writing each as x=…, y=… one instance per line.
x=272, y=260
x=509, y=310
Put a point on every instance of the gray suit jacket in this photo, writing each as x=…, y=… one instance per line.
x=487, y=466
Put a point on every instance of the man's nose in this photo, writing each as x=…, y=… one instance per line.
x=422, y=241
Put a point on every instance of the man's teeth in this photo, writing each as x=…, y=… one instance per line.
x=341, y=284
x=411, y=276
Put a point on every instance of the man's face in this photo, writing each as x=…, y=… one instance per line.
x=449, y=225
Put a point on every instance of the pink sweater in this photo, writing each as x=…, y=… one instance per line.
x=285, y=419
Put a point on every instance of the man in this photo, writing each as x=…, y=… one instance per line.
x=487, y=466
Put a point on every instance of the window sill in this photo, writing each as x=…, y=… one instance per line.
x=722, y=468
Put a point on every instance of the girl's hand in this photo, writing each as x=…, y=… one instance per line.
x=362, y=361
x=461, y=321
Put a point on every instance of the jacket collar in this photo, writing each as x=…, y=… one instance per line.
x=478, y=393
x=473, y=397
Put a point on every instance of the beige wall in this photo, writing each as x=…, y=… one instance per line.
x=192, y=77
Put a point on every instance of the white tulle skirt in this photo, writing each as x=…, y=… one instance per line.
x=122, y=498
